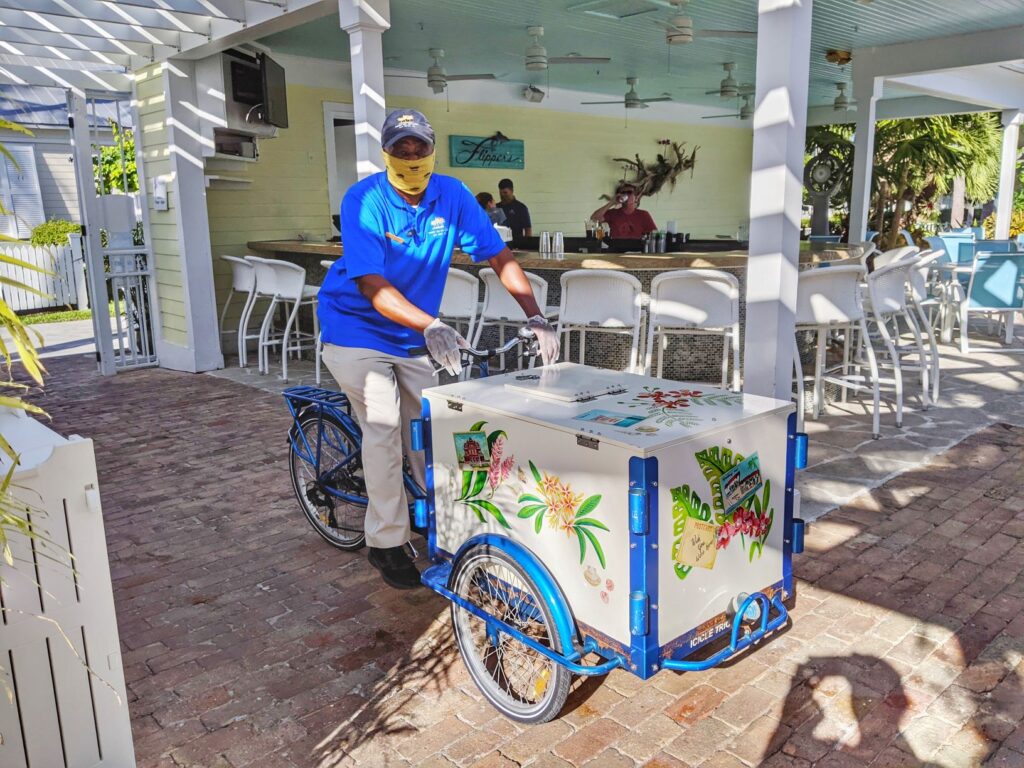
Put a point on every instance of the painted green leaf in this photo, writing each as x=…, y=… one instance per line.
x=682, y=571
x=534, y=472
x=755, y=546
x=591, y=522
x=583, y=543
x=596, y=544
x=538, y=522
x=478, y=482
x=531, y=510
x=715, y=462
x=527, y=497
x=467, y=478
x=588, y=506
x=477, y=512
x=688, y=502
x=493, y=511
x=478, y=426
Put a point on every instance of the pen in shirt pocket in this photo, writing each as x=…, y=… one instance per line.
x=393, y=236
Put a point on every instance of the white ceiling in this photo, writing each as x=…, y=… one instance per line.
x=485, y=36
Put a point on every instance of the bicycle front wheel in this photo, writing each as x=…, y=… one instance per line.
x=520, y=682
x=338, y=521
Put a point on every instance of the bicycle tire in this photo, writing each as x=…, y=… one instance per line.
x=486, y=577
x=339, y=522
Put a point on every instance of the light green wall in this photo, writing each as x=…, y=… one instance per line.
x=568, y=166
x=152, y=104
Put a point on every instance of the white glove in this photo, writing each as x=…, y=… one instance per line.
x=443, y=343
x=547, y=339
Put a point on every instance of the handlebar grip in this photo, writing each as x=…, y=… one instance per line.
x=418, y=351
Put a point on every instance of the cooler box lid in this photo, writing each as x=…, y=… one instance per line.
x=638, y=413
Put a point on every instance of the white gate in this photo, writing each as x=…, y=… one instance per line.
x=61, y=286
x=53, y=711
x=120, y=271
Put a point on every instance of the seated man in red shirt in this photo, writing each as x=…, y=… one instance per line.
x=627, y=221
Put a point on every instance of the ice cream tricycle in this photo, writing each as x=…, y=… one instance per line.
x=580, y=520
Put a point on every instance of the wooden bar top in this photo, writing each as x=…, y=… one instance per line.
x=624, y=261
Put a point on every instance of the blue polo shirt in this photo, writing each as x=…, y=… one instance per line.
x=415, y=260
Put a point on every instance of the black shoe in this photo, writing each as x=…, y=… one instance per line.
x=395, y=566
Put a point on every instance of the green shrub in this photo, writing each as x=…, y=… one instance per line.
x=54, y=232
x=1016, y=225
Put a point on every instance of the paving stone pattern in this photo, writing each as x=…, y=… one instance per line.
x=249, y=642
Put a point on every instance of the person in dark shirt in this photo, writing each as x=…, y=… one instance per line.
x=626, y=221
x=494, y=213
x=517, y=215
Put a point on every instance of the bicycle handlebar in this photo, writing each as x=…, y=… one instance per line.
x=525, y=336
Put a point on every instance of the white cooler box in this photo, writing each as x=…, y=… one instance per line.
x=656, y=506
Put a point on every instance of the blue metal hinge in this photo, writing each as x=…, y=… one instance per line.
x=638, y=517
x=800, y=454
x=416, y=436
x=638, y=614
x=798, y=535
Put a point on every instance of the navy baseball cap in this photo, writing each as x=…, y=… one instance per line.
x=405, y=122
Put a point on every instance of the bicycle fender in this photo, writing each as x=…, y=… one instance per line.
x=540, y=575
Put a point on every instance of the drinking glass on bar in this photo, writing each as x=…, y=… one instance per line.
x=558, y=246
x=545, y=243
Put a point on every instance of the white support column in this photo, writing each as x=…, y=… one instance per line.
x=958, y=203
x=1007, y=173
x=365, y=21
x=866, y=92
x=188, y=190
x=776, y=194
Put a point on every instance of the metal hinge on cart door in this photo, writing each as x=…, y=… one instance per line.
x=587, y=442
x=454, y=406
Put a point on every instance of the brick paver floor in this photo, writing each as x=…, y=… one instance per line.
x=249, y=642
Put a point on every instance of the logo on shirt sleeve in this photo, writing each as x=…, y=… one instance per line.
x=438, y=226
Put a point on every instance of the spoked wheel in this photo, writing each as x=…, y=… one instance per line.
x=521, y=683
x=338, y=521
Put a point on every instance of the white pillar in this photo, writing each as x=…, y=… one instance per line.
x=866, y=94
x=958, y=203
x=776, y=194
x=1007, y=173
x=365, y=21
x=187, y=189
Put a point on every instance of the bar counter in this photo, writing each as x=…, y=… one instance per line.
x=687, y=358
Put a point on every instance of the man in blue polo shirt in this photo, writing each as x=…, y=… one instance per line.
x=380, y=301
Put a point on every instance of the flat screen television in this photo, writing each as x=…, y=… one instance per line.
x=246, y=83
x=275, y=97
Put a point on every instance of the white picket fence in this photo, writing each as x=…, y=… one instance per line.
x=54, y=711
x=63, y=288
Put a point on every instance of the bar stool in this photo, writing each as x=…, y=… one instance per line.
x=284, y=284
x=460, y=301
x=326, y=264
x=243, y=280
x=501, y=310
x=919, y=286
x=695, y=302
x=831, y=299
x=602, y=301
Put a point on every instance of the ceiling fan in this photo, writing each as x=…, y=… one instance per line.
x=729, y=88
x=746, y=108
x=843, y=103
x=632, y=100
x=679, y=28
x=436, y=76
x=537, y=59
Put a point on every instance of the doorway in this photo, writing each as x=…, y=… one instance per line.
x=340, y=139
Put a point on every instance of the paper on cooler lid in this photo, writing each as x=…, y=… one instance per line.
x=573, y=384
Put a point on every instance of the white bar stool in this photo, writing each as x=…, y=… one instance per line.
x=460, y=301
x=243, y=280
x=284, y=283
x=695, y=302
x=920, y=287
x=501, y=310
x=602, y=301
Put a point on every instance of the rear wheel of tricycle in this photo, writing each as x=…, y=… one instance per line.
x=520, y=682
x=338, y=521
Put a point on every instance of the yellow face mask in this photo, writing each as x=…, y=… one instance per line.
x=409, y=176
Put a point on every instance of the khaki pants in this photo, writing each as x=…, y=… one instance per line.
x=385, y=392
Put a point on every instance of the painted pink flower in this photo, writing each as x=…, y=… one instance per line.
x=724, y=534
x=500, y=468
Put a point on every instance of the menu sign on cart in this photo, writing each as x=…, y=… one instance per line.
x=495, y=151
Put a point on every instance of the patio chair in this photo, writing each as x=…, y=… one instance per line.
x=926, y=294
x=695, y=302
x=601, y=301
x=994, y=288
x=831, y=299
x=885, y=258
x=502, y=311
x=284, y=284
x=243, y=280
x=460, y=302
